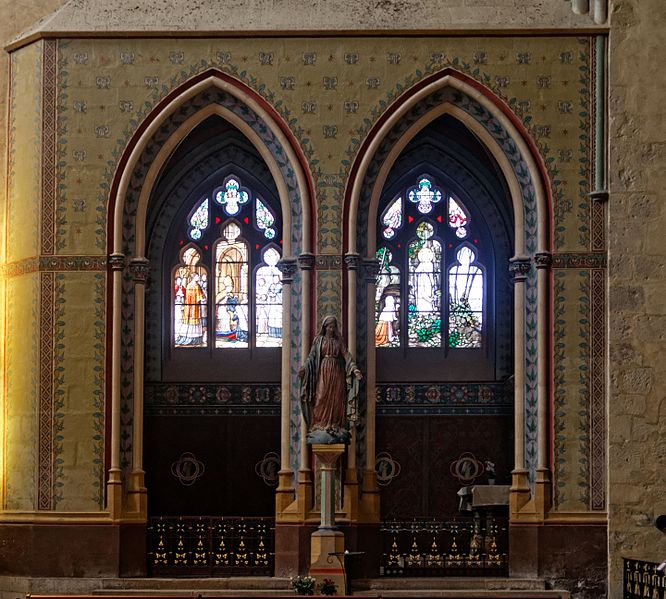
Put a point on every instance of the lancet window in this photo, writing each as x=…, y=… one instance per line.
x=227, y=287
x=430, y=288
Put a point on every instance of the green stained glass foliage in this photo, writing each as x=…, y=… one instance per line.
x=387, y=301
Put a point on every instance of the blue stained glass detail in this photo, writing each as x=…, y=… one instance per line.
x=265, y=219
x=424, y=196
x=232, y=198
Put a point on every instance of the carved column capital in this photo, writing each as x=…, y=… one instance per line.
x=352, y=261
x=371, y=269
x=519, y=267
x=117, y=262
x=543, y=260
x=288, y=268
x=306, y=261
x=140, y=269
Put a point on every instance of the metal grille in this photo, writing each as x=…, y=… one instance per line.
x=210, y=546
x=642, y=580
x=462, y=547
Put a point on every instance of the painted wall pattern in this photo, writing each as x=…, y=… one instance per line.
x=329, y=91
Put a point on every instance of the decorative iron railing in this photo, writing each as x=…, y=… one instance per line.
x=461, y=547
x=642, y=580
x=210, y=546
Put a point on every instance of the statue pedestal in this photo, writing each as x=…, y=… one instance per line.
x=327, y=540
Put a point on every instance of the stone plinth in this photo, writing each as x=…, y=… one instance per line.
x=327, y=540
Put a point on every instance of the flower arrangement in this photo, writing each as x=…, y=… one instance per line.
x=303, y=585
x=328, y=587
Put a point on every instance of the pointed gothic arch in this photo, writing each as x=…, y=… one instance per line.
x=173, y=118
x=491, y=121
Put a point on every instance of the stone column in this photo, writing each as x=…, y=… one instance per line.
x=285, y=489
x=137, y=498
x=370, y=497
x=520, y=491
x=114, y=485
x=350, y=491
x=542, y=491
x=304, y=495
x=327, y=540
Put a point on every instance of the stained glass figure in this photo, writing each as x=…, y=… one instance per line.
x=387, y=302
x=424, y=196
x=190, y=288
x=458, y=218
x=232, y=198
x=465, y=301
x=265, y=219
x=268, y=298
x=392, y=218
x=231, y=289
x=199, y=220
x=424, y=310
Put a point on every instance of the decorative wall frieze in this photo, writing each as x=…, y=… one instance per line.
x=580, y=260
x=328, y=262
x=54, y=264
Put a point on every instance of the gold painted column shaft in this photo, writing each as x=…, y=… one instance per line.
x=543, y=491
x=114, y=484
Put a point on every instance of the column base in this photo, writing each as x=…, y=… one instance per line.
x=324, y=543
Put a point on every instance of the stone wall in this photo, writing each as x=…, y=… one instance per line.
x=637, y=283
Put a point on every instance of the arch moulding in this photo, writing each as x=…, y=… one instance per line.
x=492, y=122
x=126, y=493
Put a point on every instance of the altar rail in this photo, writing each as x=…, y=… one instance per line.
x=461, y=547
x=210, y=546
x=641, y=580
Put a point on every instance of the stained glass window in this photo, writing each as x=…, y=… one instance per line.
x=265, y=219
x=392, y=218
x=199, y=220
x=268, y=302
x=458, y=218
x=231, y=289
x=241, y=306
x=387, y=301
x=424, y=310
x=429, y=288
x=424, y=196
x=190, y=301
x=232, y=197
x=465, y=300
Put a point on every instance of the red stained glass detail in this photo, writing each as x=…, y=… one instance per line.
x=256, y=246
x=476, y=241
x=205, y=247
x=450, y=245
x=246, y=220
x=410, y=219
x=439, y=218
x=398, y=245
x=217, y=220
x=280, y=241
x=181, y=242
